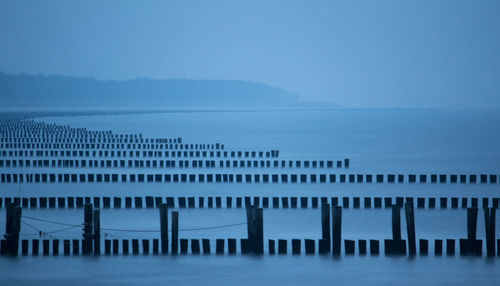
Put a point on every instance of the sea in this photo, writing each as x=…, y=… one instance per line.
x=384, y=141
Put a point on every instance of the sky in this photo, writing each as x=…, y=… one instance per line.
x=357, y=53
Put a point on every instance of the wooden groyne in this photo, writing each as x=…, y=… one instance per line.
x=258, y=201
x=273, y=178
x=330, y=243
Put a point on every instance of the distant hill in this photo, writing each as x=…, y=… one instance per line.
x=39, y=90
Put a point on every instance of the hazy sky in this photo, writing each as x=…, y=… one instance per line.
x=355, y=53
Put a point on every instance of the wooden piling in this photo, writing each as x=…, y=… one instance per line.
x=97, y=232
x=24, y=247
x=87, y=229
x=231, y=246
x=206, y=245
x=410, y=226
x=282, y=246
x=76, y=247
x=374, y=247
x=336, y=230
x=12, y=229
x=450, y=247
x=184, y=246
x=438, y=247
x=296, y=246
x=116, y=246
x=362, y=247
x=324, y=246
x=175, y=232
x=349, y=246
x=219, y=246
x=156, y=246
x=164, y=228
x=424, y=247
x=272, y=246
x=67, y=247
x=107, y=247
x=489, y=223
x=135, y=246
x=46, y=247
x=125, y=246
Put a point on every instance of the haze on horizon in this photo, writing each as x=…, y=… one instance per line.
x=355, y=53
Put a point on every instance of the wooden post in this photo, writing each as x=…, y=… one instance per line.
x=135, y=246
x=231, y=246
x=12, y=229
x=164, y=228
x=471, y=223
x=374, y=247
x=336, y=230
x=362, y=247
x=272, y=246
x=282, y=246
x=410, y=226
x=175, y=232
x=349, y=246
x=156, y=243
x=424, y=247
x=489, y=223
x=396, y=223
x=205, y=242
x=87, y=229
x=97, y=233
x=145, y=247
x=325, y=228
x=257, y=241
x=219, y=246
x=296, y=246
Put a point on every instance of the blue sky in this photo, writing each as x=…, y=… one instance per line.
x=356, y=53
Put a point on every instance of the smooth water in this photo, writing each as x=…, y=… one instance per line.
x=377, y=141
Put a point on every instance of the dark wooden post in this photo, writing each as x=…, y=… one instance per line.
x=489, y=223
x=255, y=228
x=259, y=231
x=175, y=232
x=12, y=229
x=87, y=229
x=250, y=226
x=396, y=223
x=336, y=230
x=471, y=223
x=164, y=228
x=97, y=233
x=410, y=226
x=324, y=246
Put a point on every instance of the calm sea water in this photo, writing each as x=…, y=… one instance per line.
x=383, y=141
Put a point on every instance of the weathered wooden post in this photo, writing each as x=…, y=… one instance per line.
x=396, y=246
x=97, y=233
x=175, y=232
x=471, y=223
x=87, y=229
x=164, y=228
x=489, y=223
x=336, y=230
x=325, y=243
x=255, y=228
x=12, y=229
x=410, y=227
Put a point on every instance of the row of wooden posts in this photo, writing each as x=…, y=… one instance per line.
x=135, y=153
x=238, y=202
x=254, y=243
x=76, y=163
x=12, y=177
